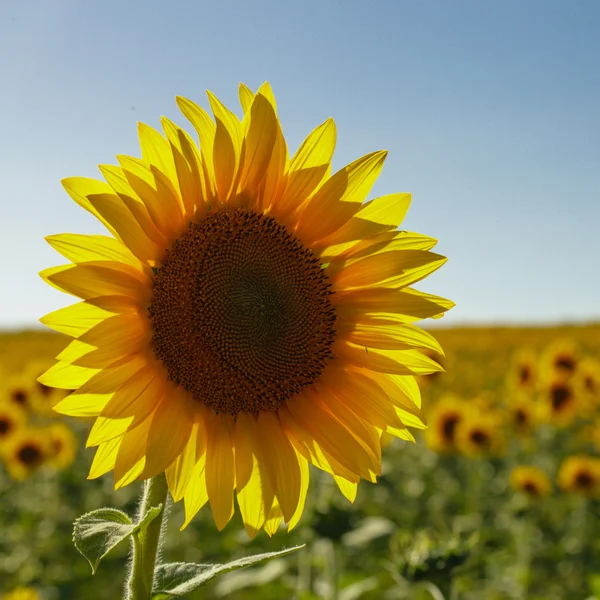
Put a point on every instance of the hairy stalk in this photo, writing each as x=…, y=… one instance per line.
x=146, y=542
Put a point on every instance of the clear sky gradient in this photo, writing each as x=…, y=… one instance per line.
x=490, y=112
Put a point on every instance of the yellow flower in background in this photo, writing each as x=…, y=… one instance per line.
x=522, y=414
x=587, y=382
x=22, y=593
x=12, y=419
x=560, y=358
x=560, y=404
x=530, y=480
x=251, y=314
x=479, y=434
x=62, y=444
x=580, y=474
x=25, y=452
x=443, y=419
x=522, y=375
x=17, y=391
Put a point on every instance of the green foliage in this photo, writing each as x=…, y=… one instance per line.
x=174, y=580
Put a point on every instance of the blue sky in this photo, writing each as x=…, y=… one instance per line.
x=490, y=112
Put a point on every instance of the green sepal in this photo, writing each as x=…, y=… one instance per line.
x=174, y=580
x=96, y=533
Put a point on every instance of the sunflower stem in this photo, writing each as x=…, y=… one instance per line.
x=146, y=542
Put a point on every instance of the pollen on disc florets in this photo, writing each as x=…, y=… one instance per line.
x=241, y=312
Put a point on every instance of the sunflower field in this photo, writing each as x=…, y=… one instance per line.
x=497, y=499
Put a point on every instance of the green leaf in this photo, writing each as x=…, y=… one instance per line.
x=96, y=533
x=173, y=580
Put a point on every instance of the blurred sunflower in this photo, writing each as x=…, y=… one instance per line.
x=17, y=391
x=62, y=445
x=443, y=419
x=587, y=382
x=532, y=481
x=560, y=404
x=247, y=300
x=479, y=434
x=435, y=376
x=22, y=593
x=580, y=474
x=522, y=373
x=521, y=414
x=12, y=419
x=560, y=357
x=25, y=452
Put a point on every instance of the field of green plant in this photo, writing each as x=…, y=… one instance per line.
x=497, y=499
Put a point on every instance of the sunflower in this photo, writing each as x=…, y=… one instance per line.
x=63, y=445
x=22, y=593
x=251, y=314
x=580, y=474
x=12, y=418
x=17, y=391
x=521, y=414
x=25, y=452
x=587, y=382
x=560, y=358
x=522, y=373
x=560, y=403
x=479, y=434
x=443, y=421
x=532, y=481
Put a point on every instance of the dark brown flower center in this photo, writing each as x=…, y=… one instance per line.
x=30, y=455
x=590, y=384
x=584, y=480
x=480, y=438
x=5, y=426
x=531, y=488
x=524, y=374
x=521, y=417
x=449, y=427
x=241, y=312
x=561, y=395
x=19, y=396
x=565, y=362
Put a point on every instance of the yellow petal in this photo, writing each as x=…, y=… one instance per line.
x=340, y=197
x=402, y=267
x=348, y=488
x=396, y=337
x=75, y=319
x=273, y=521
x=90, y=280
x=80, y=188
x=281, y=462
x=398, y=362
x=253, y=488
x=131, y=457
x=156, y=151
x=104, y=459
x=331, y=435
x=206, y=129
x=180, y=470
x=220, y=467
x=126, y=225
x=103, y=430
x=66, y=377
x=227, y=150
x=169, y=432
x=387, y=210
x=116, y=179
x=304, y=481
x=317, y=149
x=156, y=192
x=260, y=139
x=363, y=396
x=85, y=248
x=196, y=493
x=246, y=97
